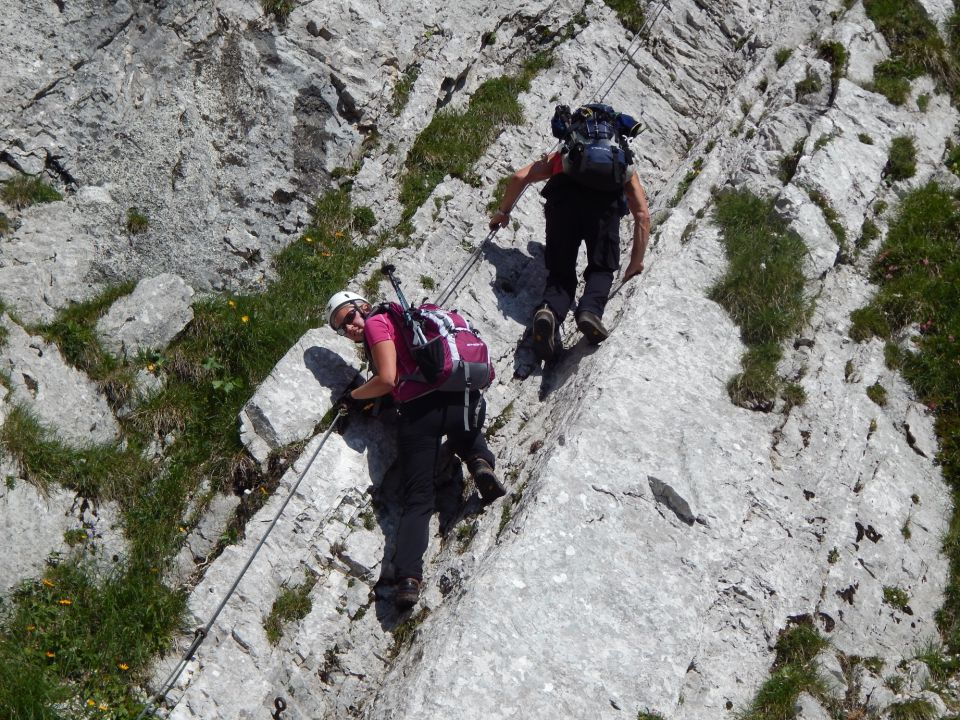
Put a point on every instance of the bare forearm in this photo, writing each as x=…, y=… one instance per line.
x=373, y=388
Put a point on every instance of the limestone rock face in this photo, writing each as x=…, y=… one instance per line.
x=59, y=396
x=656, y=538
x=298, y=392
x=148, y=318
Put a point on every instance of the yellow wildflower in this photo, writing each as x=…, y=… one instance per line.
x=326, y=254
x=123, y=666
x=182, y=529
x=90, y=702
x=65, y=601
x=151, y=367
x=51, y=654
x=232, y=303
x=103, y=706
x=48, y=583
x=338, y=233
x=307, y=238
x=245, y=318
x=31, y=628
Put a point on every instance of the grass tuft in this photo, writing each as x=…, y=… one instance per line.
x=902, y=163
x=793, y=672
x=293, y=603
x=629, y=13
x=781, y=56
x=280, y=9
x=137, y=221
x=915, y=709
x=25, y=190
x=762, y=290
x=402, y=88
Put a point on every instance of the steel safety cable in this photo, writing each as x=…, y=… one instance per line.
x=201, y=633
x=626, y=57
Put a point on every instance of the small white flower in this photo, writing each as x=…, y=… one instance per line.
x=763, y=266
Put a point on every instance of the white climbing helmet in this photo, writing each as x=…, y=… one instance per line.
x=344, y=297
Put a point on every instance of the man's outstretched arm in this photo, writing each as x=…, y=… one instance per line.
x=532, y=173
x=637, y=202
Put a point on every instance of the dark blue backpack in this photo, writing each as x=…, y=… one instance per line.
x=595, y=151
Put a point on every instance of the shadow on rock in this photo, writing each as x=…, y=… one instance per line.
x=519, y=280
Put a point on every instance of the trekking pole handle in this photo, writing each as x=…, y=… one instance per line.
x=418, y=337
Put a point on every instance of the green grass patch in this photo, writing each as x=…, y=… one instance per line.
x=793, y=672
x=405, y=632
x=79, y=634
x=293, y=603
x=895, y=597
x=915, y=709
x=877, y=393
x=868, y=233
x=942, y=667
x=455, y=140
x=501, y=420
x=363, y=219
x=916, y=48
x=25, y=190
x=789, y=162
x=781, y=56
x=762, y=290
x=280, y=9
x=137, y=221
x=810, y=84
x=836, y=54
x=98, y=472
x=402, y=88
x=629, y=13
x=74, y=332
x=832, y=218
x=5, y=224
x=687, y=181
x=952, y=159
x=902, y=163
x=466, y=532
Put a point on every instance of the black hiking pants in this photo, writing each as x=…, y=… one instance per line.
x=423, y=424
x=569, y=224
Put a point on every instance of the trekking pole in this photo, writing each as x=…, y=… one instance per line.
x=418, y=336
x=201, y=633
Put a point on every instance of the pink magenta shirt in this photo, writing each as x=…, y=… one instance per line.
x=382, y=327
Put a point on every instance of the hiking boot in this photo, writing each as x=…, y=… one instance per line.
x=489, y=487
x=544, y=329
x=591, y=327
x=407, y=593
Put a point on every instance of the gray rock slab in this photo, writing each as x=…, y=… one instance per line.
x=48, y=260
x=30, y=542
x=920, y=432
x=363, y=552
x=807, y=708
x=61, y=397
x=246, y=664
x=148, y=318
x=299, y=391
x=34, y=524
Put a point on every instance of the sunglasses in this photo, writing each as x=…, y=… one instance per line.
x=347, y=319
